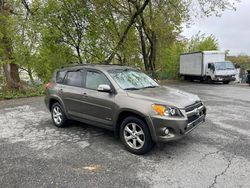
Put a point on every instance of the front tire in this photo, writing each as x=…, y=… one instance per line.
x=58, y=116
x=135, y=135
x=209, y=80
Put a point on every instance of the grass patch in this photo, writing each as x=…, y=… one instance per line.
x=14, y=94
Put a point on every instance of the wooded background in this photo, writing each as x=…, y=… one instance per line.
x=38, y=36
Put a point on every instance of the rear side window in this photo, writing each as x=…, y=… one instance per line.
x=60, y=76
x=94, y=79
x=74, y=78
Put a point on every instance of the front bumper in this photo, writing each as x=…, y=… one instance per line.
x=178, y=127
x=224, y=78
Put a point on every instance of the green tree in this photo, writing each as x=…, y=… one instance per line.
x=242, y=60
x=200, y=42
x=10, y=68
x=52, y=55
x=39, y=36
x=170, y=66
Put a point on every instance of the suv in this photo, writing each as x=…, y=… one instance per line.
x=124, y=100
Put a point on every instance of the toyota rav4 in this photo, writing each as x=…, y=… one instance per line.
x=125, y=100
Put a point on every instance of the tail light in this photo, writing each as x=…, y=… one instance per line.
x=48, y=85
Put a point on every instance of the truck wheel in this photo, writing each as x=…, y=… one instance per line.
x=135, y=135
x=58, y=117
x=226, y=82
x=208, y=80
x=186, y=78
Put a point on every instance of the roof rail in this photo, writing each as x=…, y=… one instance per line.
x=87, y=64
x=114, y=64
x=76, y=64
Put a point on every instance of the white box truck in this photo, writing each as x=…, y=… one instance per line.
x=209, y=66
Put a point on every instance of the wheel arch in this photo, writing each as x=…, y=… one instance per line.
x=54, y=100
x=124, y=113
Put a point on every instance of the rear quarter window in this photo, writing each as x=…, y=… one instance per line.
x=74, y=78
x=60, y=75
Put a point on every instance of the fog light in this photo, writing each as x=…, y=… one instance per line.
x=166, y=131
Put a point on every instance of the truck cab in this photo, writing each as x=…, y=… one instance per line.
x=223, y=71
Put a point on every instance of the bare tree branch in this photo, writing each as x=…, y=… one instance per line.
x=125, y=33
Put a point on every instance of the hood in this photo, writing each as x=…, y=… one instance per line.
x=165, y=95
x=225, y=72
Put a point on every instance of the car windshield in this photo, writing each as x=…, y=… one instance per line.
x=129, y=79
x=224, y=65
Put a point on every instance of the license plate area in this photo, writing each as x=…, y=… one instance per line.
x=191, y=125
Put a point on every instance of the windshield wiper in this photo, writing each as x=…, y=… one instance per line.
x=131, y=88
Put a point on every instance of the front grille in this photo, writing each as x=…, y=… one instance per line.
x=223, y=76
x=193, y=106
x=192, y=118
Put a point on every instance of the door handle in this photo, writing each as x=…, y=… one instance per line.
x=85, y=95
x=60, y=90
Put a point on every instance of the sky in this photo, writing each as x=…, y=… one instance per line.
x=232, y=29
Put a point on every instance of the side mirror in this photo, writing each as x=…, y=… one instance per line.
x=104, y=88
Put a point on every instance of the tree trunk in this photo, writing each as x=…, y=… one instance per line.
x=120, y=59
x=10, y=70
x=12, y=76
x=30, y=75
x=79, y=54
x=152, y=56
x=143, y=47
x=125, y=33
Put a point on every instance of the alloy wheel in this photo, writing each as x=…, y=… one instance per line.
x=134, y=135
x=57, y=115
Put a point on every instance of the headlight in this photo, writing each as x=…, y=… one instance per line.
x=163, y=110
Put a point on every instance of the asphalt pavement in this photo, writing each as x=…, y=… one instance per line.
x=34, y=153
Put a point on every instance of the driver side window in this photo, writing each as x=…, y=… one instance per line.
x=211, y=66
x=94, y=79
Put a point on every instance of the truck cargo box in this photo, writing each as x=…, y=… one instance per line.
x=195, y=63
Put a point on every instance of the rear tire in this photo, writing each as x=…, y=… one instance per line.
x=226, y=82
x=186, y=78
x=58, y=116
x=135, y=135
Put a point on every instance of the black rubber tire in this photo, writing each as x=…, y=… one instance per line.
x=208, y=80
x=226, y=82
x=186, y=78
x=64, y=118
x=148, y=140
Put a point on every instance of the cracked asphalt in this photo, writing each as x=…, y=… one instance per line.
x=34, y=153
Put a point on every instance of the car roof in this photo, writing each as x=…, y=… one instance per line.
x=94, y=66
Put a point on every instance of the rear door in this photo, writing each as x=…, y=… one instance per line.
x=72, y=91
x=97, y=106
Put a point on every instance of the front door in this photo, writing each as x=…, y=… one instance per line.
x=97, y=106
